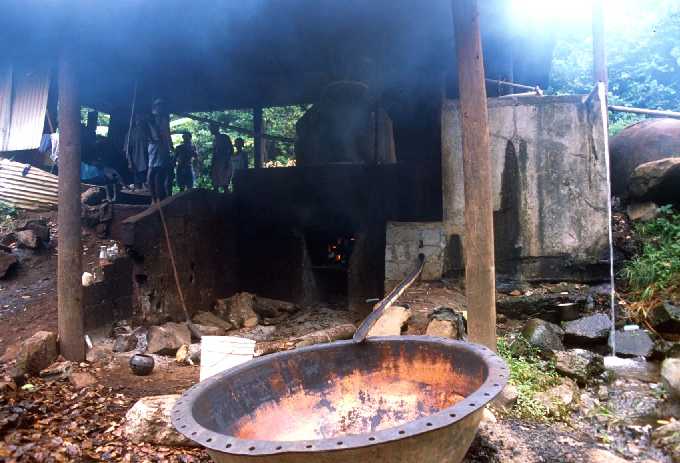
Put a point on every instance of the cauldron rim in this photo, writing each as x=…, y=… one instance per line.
x=185, y=423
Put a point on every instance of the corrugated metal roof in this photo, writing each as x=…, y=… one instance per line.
x=26, y=95
x=37, y=190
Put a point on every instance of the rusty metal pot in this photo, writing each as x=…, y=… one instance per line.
x=141, y=364
x=395, y=399
x=390, y=399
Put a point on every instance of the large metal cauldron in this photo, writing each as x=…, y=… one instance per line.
x=388, y=399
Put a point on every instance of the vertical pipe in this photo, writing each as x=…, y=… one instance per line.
x=479, y=243
x=600, y=73
x=259, y=141
x=69, y=267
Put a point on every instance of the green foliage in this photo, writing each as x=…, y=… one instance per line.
x=657, y=267
x=643, y=61
x=7, y=214
x=530, y=374
x=277, y=121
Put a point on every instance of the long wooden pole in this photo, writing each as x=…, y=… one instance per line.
x=600, y=73
x=259, y=141
x=480, y=275
x=69, y=267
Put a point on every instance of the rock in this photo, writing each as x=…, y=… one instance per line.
x=579, y=364
x=81, y=380
x=39, y=227
x=125, y=343
x=544, y=335
x=559, y=398
x=238, y=310
x=544, y=306
x=134, y=340
x=390, y=322
x=98, y=353
x=260, y=333
x=206, y=330
x=642, y=211
x=37, y=352
x=273, y=308
x=93, y=196
x=148, y=421
x=488, y=417
x=628, y=368
x=7, y=262
x=602, y=392
x=57, y=371
x=665, y=317
x=446, y=323
x=636, y=343
x=28, y=239
x=602, y=456
x=587, y=331
x=210, y=319
x=670, y=376
x=657, y=181
x=166, y=339
x=506, y=399
x=667, y=437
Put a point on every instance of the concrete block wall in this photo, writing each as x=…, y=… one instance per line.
x=404, y=241
x=549, y=185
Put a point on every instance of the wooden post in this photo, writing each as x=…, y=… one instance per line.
x=69, y=267
x=259, y=141
x=480, y=277
x=600, y=73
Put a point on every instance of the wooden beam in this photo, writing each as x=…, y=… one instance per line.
x=69, y=267
x=237, y=129
x=480, y=276
x=259, y=140
x=600, y=73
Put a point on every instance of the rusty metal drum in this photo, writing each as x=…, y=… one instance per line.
x=390, y=399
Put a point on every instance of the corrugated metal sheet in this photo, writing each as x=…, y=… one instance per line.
x=27, y=96
x=37, y=190
x=5, y=104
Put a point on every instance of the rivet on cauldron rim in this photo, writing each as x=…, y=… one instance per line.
x=209, y=439
x=428, y=424
x=279, y=447
x=251, y=448
x=452, y=415
x=339, y=442
x=371, y=438
x=228, y=446
x=472, y=405
x=308, y=446
x=193, y=433
x=401, y=431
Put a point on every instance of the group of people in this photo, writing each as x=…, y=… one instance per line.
x=154, y=162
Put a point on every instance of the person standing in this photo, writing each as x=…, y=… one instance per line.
x=159, y=150
x=223, y=150
x=138, y=151
x=239, y=160
x=185, y=157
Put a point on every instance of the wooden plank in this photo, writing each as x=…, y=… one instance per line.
x=479, y=242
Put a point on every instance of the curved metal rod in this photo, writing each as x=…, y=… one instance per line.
x=367, y=324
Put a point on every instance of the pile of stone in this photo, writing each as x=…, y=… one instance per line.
x=32, y=235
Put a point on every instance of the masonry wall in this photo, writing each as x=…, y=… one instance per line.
x=549, y=185
x=203, y=235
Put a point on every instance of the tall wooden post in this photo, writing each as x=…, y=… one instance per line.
x=69, y=267
x=600, y=73
x=259, y=140
x=480, y=275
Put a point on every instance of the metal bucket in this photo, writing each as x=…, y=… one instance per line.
x=388, y=399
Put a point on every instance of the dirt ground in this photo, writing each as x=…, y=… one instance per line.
x=37, y=425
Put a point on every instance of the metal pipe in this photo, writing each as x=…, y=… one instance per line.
x=646, y=112
x=535, y=89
